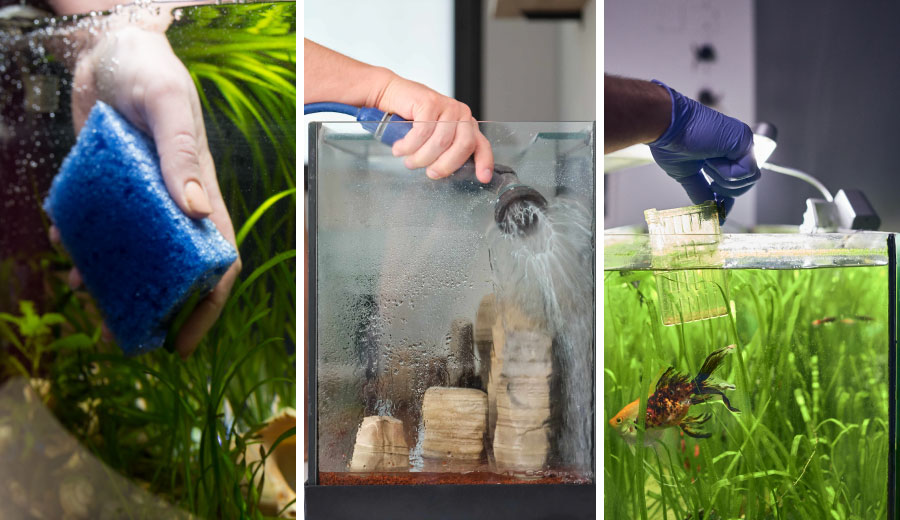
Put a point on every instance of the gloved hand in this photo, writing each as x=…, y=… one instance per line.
x=700, y=137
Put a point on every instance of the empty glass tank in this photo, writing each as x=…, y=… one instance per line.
x=443, y=349
x=804, y=357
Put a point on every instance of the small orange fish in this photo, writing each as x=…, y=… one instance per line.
x=668, y=406
x=846, y=321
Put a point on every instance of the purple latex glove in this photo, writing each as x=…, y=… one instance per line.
x=700, y=137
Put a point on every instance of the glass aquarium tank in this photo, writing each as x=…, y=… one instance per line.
x=86, y=432
x=780, y=404
x=451, y=337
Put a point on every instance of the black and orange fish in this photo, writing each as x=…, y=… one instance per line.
x=668, y=405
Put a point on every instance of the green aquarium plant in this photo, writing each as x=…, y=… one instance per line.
x=810, y=378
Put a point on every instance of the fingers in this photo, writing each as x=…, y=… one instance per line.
x=464, y=143
x=170, y=117
x=421, y=131
x=443, y=136
x=697, y=188
x=700, y=191
x=733, y=174
x=74, y=279
x=441, y=140
x=726, y=203
x=206, y=313
x=484, y=158
x=55, y=238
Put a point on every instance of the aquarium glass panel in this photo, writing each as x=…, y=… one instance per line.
x=450, y=348
x=150, y=436
x=778, y=409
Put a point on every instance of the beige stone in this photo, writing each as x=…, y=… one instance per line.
x=380, y=445
x=519, y=392
x=510, y=319
x=455, y=420
x=279, y=487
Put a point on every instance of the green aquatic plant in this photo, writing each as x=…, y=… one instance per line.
x=811, y=377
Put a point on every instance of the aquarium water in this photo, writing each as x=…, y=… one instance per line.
x=810, y=371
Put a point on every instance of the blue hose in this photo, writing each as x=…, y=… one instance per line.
x=372, y=119
x=340, y=108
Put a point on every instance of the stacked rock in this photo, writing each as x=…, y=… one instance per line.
x=455, y=421
x=521, y=365
x=380, y=445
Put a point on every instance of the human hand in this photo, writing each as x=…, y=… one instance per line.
x=700, y=137
x=135, y=71
x=441, y=147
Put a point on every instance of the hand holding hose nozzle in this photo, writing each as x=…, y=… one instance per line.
x=517, y=205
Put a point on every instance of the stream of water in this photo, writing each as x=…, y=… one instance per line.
x=548, y=273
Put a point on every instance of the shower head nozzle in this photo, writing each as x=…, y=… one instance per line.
x=517, y=204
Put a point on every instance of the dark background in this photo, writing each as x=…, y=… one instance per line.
x=828, y=76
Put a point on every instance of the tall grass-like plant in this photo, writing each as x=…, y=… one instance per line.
x=811, y=371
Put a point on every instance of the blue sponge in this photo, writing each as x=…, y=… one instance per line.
x=139, y=255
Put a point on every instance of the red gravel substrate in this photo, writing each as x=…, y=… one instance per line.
x=418, y=478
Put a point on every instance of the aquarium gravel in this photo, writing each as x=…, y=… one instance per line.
x=139, y=255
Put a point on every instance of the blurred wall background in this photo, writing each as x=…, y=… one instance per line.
x=822, y=72
x=661, y=39
x=826, y=76
x=539, y=70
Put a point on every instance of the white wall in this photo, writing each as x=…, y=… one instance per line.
x=413, y=38
x=578, y=67
x=539, y=70
x=655, y=39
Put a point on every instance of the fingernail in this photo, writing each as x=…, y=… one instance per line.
x=106, y=333
x=196, y=198
x=486, y=174
x=431, y=174
x=74, y=279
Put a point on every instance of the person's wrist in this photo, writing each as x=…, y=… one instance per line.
x=665, y=108
x=379, y=80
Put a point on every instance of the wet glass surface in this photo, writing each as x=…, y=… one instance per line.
x=405, y=319
x=183, y=433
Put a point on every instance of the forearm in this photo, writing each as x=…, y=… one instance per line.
x=331, y=76
x=635, y=111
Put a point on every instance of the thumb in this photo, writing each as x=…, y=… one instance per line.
x=170, y=120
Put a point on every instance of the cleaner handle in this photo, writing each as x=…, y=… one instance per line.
x=391, y=129
x=386, y=129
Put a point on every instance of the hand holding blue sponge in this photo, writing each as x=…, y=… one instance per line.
x=139, y=255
